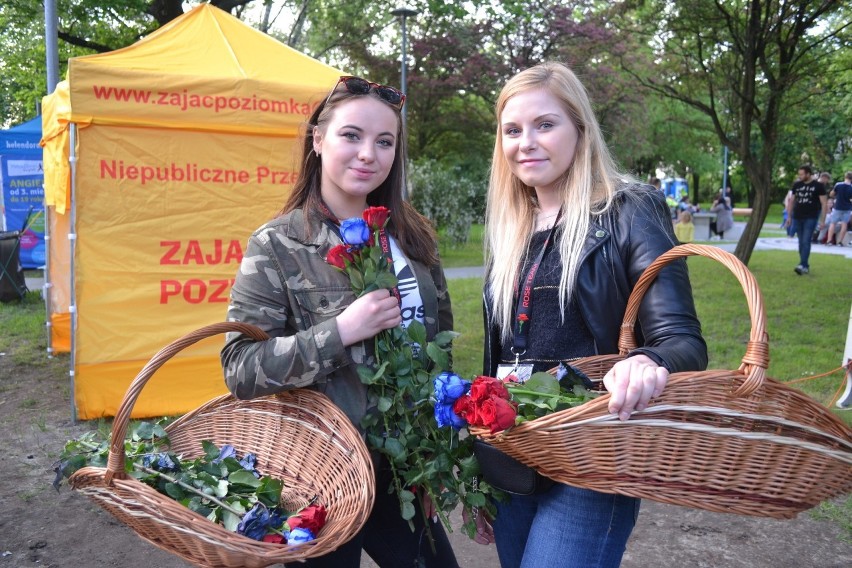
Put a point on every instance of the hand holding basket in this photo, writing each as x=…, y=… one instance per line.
x=726, y=441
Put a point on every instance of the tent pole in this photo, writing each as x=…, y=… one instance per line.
x=45, y=289
x=72, y=244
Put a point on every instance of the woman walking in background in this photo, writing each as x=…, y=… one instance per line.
x=724, y=216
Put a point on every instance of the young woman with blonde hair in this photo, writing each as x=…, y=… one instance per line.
x=567, y=237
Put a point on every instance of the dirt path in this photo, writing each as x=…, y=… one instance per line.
x=39, y=527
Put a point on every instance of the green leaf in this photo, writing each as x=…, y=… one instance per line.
x=401, y=363
x=195, y=504
x=543, y=383
x=369, y=274
x=475, y=499
x=386, y=280
x=417, y=332
x=356, y=279
x=245, y=478
x=407, y=510
x=394, y=449
x=211, y=450
x=230, y=520
x=269, y=491
x=368, y=376
x=175, y=491
x=384, y=404
x=445, y=338
x=375, y=441
x=439, y=356
x=221, y=488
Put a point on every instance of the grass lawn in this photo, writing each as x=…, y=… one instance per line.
x=468, y=254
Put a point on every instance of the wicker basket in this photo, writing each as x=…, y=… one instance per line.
x=298, y=436
x=725, y=441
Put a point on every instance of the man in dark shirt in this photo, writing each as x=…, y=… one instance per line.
x=842, y=209
x=806, y=211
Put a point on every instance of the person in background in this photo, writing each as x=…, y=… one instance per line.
x=724, y=216
x=806, y=210
x=352, y=156
x=559, y=212
x=825, y=179
x=684, y=229
x=685, y=205
x=842, y=210
x=729, y=193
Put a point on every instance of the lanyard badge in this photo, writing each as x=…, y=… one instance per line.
x=520, y=372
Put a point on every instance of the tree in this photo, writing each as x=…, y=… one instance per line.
x=737, y=61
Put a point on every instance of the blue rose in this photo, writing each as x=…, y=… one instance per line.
x=445, y=416
x=255, y=523
x=165, y=463
x=300, y=535
x=159, y=462
x=449, y=387
x=355, y=232
x=227, y=451
x=249, y=463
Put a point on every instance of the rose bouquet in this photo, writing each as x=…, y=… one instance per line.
x=218, y=485
x=498, y=405
x=425, y=459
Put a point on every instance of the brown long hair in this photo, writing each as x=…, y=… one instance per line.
x=413, y=231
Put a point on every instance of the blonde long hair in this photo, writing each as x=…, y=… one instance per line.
x=587, y=190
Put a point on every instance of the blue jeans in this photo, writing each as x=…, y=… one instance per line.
x=566, y=527
x=805, y=231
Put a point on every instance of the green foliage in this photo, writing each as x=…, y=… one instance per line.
x=542, y=394
x=217, y=485
x=451, y=199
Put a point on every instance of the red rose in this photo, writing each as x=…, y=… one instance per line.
x=497, y=413
x=311, y=518
x=274, y=538
x=465, y=408
x=483, y=387
x=338, y=256
x=376, y=217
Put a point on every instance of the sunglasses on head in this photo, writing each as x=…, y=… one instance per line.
x=359, y=86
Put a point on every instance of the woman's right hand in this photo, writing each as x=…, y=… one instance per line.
x=367, y=316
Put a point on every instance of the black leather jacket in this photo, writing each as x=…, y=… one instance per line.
x=620, y=244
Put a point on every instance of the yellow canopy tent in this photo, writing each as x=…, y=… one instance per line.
x=160, y=159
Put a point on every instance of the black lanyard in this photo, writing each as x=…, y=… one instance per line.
x=523, y=291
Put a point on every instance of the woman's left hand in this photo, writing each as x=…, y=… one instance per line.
x=632, y=383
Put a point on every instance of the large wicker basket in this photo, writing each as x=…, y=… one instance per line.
x=725, y=441
x=298, y=436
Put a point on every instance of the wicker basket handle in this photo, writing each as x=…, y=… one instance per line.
x=756, y=358
x=115, y=462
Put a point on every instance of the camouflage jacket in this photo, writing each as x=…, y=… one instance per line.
x=285, y=287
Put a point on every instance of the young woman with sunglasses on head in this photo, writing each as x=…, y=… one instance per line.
x=561, y=213
x=353, y=155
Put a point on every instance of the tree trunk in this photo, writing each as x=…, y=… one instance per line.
x=759, y=173
x=695, y=185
